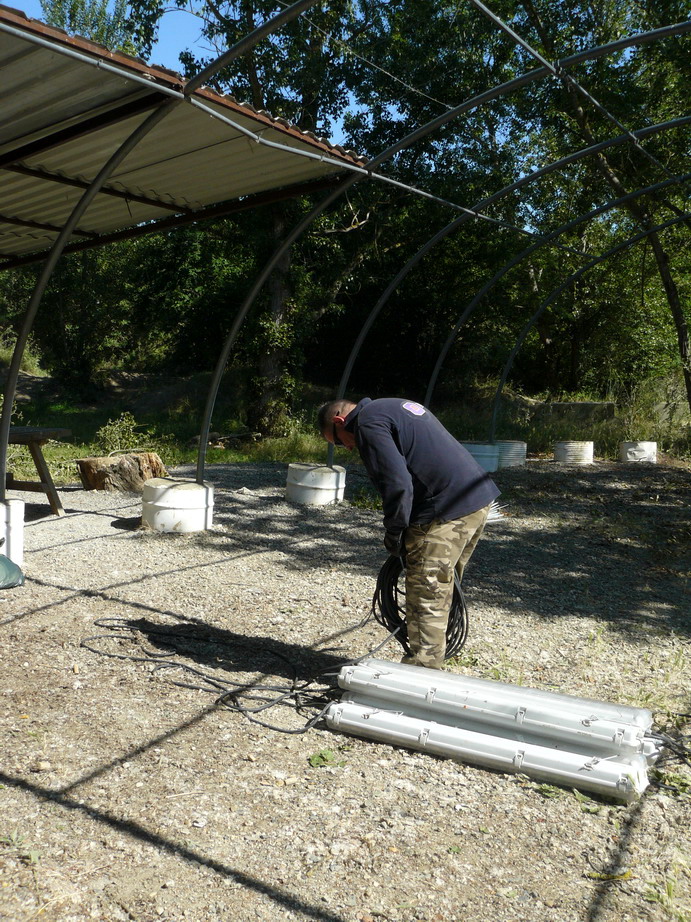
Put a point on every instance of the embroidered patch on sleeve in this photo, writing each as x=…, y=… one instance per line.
x=415, y=408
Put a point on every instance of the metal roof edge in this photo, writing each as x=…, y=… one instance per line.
x=19, y=19
x=171, y=79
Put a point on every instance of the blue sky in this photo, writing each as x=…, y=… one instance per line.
x=178, y=30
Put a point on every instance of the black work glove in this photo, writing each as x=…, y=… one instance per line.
x=393, y=542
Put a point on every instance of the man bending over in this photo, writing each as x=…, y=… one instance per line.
x=436, y=500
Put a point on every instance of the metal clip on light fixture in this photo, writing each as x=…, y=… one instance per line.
x=577, y=742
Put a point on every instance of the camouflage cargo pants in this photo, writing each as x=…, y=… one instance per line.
x=433, y=552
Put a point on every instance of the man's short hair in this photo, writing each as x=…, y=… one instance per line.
x=333, y=408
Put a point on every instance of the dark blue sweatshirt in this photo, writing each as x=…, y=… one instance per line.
x=421, y=471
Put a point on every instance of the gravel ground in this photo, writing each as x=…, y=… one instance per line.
x=128, y=794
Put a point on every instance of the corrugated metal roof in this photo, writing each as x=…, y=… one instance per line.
x=69, y=103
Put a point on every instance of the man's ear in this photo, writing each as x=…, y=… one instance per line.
x=338, y=419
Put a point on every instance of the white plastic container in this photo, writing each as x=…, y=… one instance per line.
x=638, y=451
x=485, y=453
x=314, y=484
x=170, y=505
x=574, y=452
x=12, y=530
x=511, y=453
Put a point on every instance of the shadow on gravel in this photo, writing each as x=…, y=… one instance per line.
x=136, y=830
x=608, y=542
x=129, y=524
x=34, y=512
x=232, y=660
x=605, y=544
x=207, y=645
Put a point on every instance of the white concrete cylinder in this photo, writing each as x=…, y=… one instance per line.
x=12, y=530
x=183, y=506
x=511, y=453
x=485, y=453
x=574, y=452
x=315, y=484
x=638, y=451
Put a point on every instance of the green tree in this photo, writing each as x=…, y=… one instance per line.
x=639, y=86
x=295, y=74
x=93, y=19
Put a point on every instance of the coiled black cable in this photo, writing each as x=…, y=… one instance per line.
x=388, y=607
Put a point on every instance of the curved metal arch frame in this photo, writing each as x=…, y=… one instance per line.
x=262, y=31
x=166, y=106
x=462, y=219
x=555, y=294
x=629, y=136
x=558, y=71
x=498, y=276
x=421, y=132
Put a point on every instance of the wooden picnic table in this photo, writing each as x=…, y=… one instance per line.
x=34, y=437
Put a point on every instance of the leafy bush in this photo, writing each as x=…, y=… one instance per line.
x=122, y=434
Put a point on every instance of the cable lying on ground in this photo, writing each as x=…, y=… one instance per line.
x=252, y=698
x=309, y=697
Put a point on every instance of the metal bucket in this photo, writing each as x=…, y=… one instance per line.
x=485, y=453
x=638, y=451
x=574, y=452
x=315, y=484
x=511, y=453
x=183, y=506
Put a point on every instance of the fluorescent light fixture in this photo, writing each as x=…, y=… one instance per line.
x=620, y=779
x=575, y=741
x=477, y=703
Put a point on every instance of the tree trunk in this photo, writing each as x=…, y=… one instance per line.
x=120, y=473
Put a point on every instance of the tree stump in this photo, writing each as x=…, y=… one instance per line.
x=120, y=473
